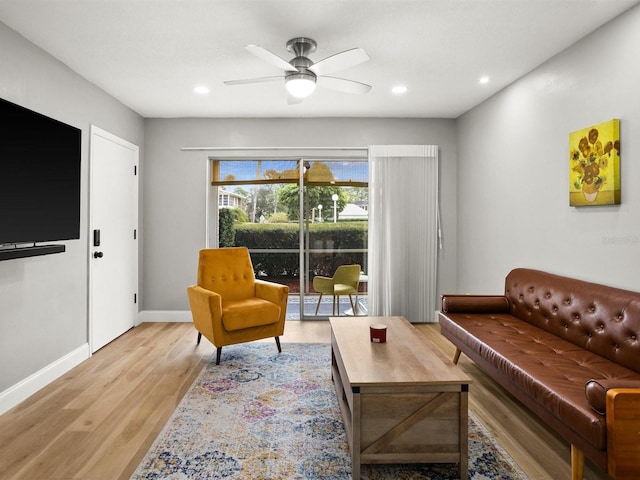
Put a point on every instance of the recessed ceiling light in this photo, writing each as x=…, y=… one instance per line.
x=484, y=80
x=201, y=90
x=399, y=89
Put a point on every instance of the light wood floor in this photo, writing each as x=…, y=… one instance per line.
x=97, y=421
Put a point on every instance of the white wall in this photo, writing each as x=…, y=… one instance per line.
x=175, y=184
x=513, y=173
x=43, y=300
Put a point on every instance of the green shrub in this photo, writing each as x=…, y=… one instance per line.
x=323, y=238
x=226, y=227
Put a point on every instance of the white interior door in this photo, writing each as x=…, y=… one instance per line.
x=113, y=271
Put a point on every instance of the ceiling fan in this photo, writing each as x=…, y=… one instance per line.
x=301, y=74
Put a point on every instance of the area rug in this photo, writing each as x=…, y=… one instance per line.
x=260, y=415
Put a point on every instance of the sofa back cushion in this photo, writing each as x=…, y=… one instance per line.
x=598, y=318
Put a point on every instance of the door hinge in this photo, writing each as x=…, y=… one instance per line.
x=135, y=170
x=135, y=234
x=135, y=298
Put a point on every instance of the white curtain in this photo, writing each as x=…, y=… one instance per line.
x=403, y=231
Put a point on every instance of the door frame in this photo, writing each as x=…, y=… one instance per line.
x=97, y=131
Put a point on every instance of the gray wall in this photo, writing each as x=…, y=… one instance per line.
x=513, y=169
x=43, y=300
x=175, y=184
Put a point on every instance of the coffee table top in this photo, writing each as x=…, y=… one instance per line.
x=406, y=358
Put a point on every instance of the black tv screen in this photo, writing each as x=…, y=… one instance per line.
x=39, y=177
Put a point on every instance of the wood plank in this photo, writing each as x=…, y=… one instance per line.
x=406, y=424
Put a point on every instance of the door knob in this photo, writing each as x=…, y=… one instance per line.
x=97, y=254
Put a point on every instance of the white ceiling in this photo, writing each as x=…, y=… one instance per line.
x=150, y=54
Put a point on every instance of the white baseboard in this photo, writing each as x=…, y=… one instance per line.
x=164, y=316
x=22, y=390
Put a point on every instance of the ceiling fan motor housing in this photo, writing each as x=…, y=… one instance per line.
x=302, y=64
x=301, y=46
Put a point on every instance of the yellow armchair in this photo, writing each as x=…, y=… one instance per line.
x=229, y=306
x=345, y=281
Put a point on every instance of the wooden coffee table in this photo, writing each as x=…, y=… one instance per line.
x=402, y=401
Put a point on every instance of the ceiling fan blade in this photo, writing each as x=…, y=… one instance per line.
x=340, y=61
x=271, y=58
x=291, y=100
x=343, y=85
x=254, y=80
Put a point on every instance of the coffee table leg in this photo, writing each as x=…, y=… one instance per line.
x=464, y=432
x=355, y=446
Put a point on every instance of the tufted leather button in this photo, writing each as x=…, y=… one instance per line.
x=620, y=316
x=592, y=308
x=589, y=334
x=616, y=346
x=555, y=309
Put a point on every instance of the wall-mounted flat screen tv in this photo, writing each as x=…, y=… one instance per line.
x=39, y=177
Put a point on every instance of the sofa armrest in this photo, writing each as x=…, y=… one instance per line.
x=623, y=432
x=474, y=304
x=596, y=391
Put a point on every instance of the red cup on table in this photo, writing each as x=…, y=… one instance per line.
x=378, y=333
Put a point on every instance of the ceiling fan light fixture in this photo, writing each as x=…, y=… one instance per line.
x=301, y=85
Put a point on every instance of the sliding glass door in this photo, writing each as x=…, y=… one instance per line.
x=301, y=219
x=334, y=234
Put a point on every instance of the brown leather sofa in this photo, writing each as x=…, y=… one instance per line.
x=567, y=349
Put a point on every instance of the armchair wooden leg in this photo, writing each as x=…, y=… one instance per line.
x=218, y=353
x=335, y=297
x=199, y=338
x=318, y=305
x=278, y=344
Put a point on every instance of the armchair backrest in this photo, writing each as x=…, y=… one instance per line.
x=347, y=275
x=227, y=271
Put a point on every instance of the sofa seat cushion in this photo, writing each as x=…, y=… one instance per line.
x=549, y=370
x=248, y=312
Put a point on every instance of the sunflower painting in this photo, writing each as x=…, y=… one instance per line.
x=594, y=165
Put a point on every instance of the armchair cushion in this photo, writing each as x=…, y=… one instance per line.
x=248, y=312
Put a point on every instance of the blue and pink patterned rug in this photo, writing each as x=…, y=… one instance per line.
x=260, y=415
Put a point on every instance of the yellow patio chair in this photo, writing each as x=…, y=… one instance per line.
x=345, y=281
